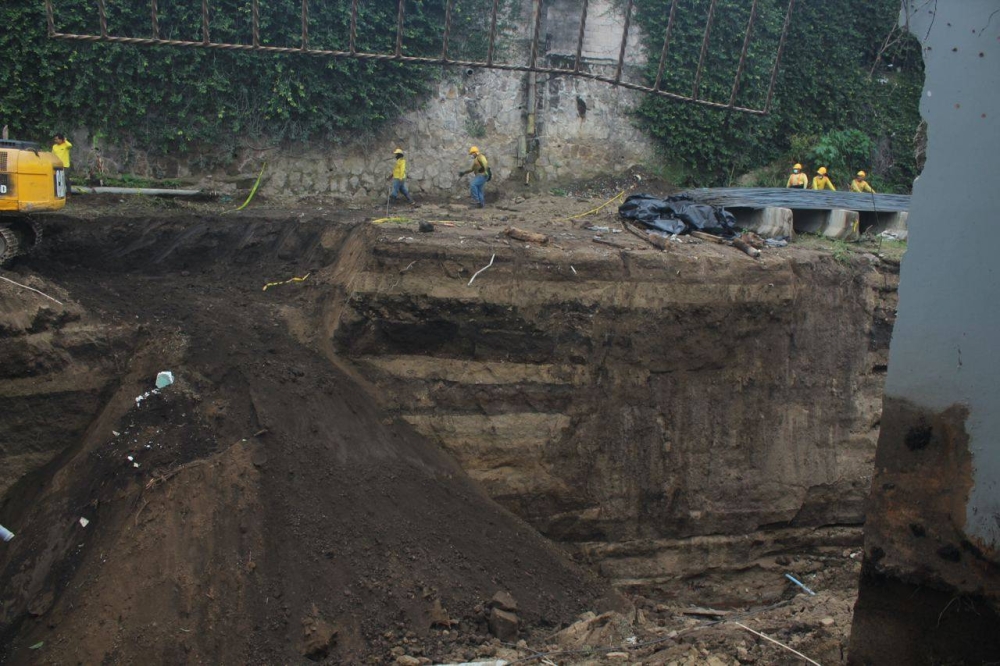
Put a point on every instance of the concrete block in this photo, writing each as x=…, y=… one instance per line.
x=768, y=222
x=894, y=222
x=836, y=223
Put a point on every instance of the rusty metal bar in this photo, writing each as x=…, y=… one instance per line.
x=399, y=30
x=777, y=57
x=532, y=65
x=537, y=22
x=493, y=33
x=621, y=53
x=743, y=54
x=204, y=22
x=666, y=46
x=50, y=17
x=353, y=38
x=255, y=11
x=579, y=41
x=704, y=50
x=103, y=14
x=447, y=31
x=140, y=41
x=305, y=25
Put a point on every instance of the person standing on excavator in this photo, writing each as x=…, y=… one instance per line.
x=481, y=175
x=798, y=180
x=821, y=182
x=61, y=149
x=859, y=184
x=399, y=177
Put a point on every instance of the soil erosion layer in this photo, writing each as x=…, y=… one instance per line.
x=354, y=464
x=258, y=510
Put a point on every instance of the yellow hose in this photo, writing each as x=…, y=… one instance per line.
x=254, y=190
x=599, y=208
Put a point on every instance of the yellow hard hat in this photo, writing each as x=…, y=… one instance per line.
x=398, y=151
x=821, y=171
x=797, y=166
x=473, y=150
x=861, y=174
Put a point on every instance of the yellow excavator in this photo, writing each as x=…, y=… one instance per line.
x=32, y=180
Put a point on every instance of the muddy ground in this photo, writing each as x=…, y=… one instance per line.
x=264, y=509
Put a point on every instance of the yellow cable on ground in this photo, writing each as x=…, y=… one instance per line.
x=602, y=206
x=294, y=279
x=386, y=220
x=254, y=190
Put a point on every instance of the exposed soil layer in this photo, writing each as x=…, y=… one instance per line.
x=343, y=470
x=274, y=513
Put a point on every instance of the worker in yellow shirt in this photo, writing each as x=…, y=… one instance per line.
x=798, y=180
x=61, y=148
x=399, y=177
x=481, y=174
x=859, y=184
x=821, y=182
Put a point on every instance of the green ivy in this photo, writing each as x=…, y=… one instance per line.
x=168, y=99
x=832, y=104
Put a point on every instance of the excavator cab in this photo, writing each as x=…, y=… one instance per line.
x=32, y=180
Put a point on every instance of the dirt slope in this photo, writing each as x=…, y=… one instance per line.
x=275, y=514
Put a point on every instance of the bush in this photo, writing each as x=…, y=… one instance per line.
x=836, y=98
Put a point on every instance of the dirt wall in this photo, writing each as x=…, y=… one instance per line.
x=666, y=414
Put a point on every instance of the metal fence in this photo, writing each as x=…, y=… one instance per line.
x=397, y=55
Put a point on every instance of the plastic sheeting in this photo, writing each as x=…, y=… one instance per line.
x=678, y=215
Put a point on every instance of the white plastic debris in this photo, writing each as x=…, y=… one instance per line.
x=115, y=433
x=136, y=465
x=84, y=522
x=5, y=533
x=130, y=458
x=164, y=379
x=145, y=395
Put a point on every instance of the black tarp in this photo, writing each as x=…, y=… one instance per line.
x=677, y=215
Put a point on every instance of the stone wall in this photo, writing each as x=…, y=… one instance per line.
x=583, y=127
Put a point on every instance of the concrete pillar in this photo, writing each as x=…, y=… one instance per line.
x=930, y=585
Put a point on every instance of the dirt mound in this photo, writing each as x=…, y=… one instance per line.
x=261, y=509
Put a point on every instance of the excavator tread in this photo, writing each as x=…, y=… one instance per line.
x=36, y=230
x=10, y=244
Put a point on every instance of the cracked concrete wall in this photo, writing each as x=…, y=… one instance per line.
x=933, y=530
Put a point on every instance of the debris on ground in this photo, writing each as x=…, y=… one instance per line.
x=526, y=236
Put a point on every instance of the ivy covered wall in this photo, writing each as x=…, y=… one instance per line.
x=846, y=96
x=164, y=99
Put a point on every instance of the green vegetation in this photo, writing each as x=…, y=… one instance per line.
x=172, y=99
x=839, y=101
x=843, y=251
